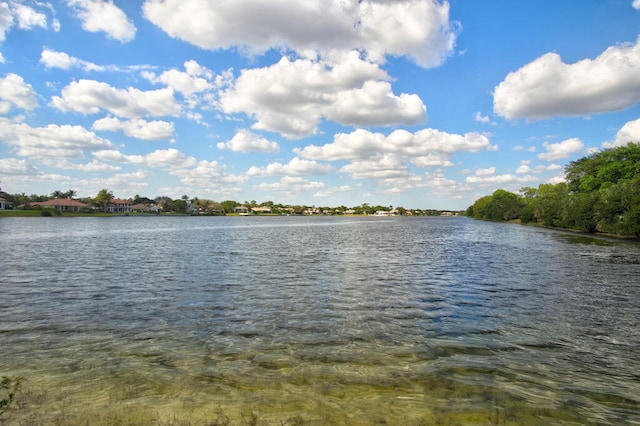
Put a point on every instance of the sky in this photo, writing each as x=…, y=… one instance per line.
x=403, y=103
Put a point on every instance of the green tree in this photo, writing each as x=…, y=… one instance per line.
x=228, y=206
x=104, y=198
x=503, y=205
x=606, y=167
x=550, y=206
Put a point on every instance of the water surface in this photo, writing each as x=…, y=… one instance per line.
x=314, y=320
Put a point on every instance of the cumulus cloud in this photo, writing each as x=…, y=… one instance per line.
x=14, y=90
x=190, y=171
x=630, y=132
x=481, y=118
x=504, y=179
x=442, y=185
x=53, y=59
x=548, y=87
x=92, y=166
x=418, y=29
x=246, y=141
x=60, y=141
x=292, y=96
x=91, y=97
x=136, y=128
x=636, y=4
x=295, y=167
x=13, y=166
x=380, y=166
x=426, y=146
x=104, y=16
x=560, y=150
x=331, y=192
x=28, y=17
x=193, y=80
x=290, y=185
x=375, y=104
x=485, y=172
x=24, y=16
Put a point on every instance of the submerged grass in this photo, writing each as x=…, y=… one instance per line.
x=326, y=398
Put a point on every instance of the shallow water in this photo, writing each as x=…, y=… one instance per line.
x=314, y=320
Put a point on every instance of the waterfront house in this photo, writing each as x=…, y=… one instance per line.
x=261, y=209
x=243, y=210
x=120, y=206
x=5, y=204
x=145, y=208
x=62, y=204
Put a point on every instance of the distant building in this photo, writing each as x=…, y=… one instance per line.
x=120, y=206
x=62, y=204
x=243, y=210
x=145, y=208
x=261, y=209
x=5, y=204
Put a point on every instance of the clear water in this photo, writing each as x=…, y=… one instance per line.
x=299, y=320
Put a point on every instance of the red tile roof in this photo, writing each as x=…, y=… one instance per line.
x=60, y=202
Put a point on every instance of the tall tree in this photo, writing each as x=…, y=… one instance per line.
x=104, y=198
x=601, y=168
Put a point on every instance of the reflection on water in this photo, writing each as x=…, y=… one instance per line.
x=293, y=320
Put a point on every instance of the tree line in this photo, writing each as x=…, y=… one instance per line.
x=186, y=204
x=601, y=194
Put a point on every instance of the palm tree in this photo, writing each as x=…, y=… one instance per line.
x=70, y=194
x=104, y=198
x=57, y=194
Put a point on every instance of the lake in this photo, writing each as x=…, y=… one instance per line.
x=317, y=320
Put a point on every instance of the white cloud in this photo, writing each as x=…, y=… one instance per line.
x=194, y=80
x=630, y=132
x=28, y=17
x=442, y=185
x=504, y=179
x=381, y=167
x=485, y=172
x=24, y=16
x=136, y=128
x=525, y=167
x=481, y=118
x=205, y=174
x=52, y=59
x=292, y=97
x=246, y=141
x=60, y=141
x=6, y=19
x=14, y=90
x=104, y=16
x=560, y=150
x=187, y=169
x=290, y=185
x=417, y=29
x=92, y=166
x=331, y=192
x=295, y=167
x=636, y=4
x=374, y=104
x=91, y=97
x=423, y=146
x=13, y=166
x=548, y=87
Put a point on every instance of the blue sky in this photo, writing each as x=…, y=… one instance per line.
x=418, y=104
